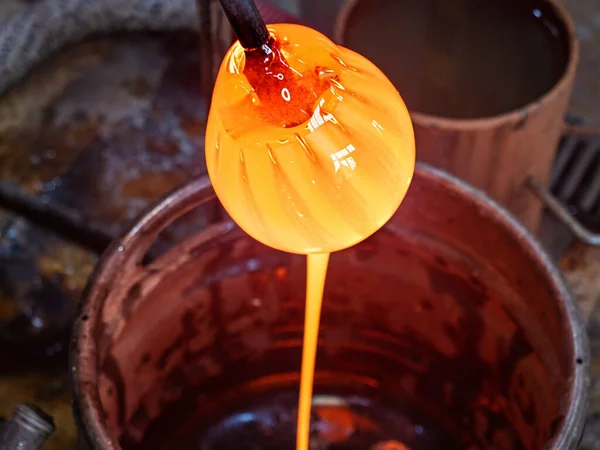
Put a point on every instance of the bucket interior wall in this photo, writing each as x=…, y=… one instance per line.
x=442, y=316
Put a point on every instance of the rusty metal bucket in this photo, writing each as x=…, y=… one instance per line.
x=509, y=152
x=451, y=319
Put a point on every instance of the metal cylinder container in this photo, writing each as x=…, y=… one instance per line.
x=449, y=328
x=496, y=150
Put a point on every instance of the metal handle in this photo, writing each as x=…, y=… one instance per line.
x=582, y=130
x=555, y=206
x=563, y=214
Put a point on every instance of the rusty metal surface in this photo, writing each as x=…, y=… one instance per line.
x=103, y=130
x=41, y=278
x=124, y=126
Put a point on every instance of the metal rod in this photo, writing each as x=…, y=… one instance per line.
x=563, y=214
x=206, y=48
x=581, y=130
x=28, y=429
x=65, y=222
x=247, y=23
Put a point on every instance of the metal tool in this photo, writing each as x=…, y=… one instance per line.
x=575, y=181
x=28, y=429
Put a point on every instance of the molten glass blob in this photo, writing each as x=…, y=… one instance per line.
x=309, y=146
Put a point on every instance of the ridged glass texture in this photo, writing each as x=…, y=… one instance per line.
x=310, y=149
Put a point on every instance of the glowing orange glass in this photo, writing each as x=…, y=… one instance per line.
x=310, y=148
